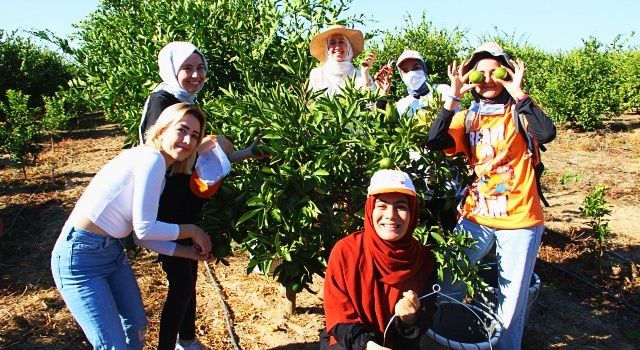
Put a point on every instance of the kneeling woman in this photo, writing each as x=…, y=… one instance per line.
x=380, y=272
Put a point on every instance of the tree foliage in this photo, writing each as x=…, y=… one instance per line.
x=30, y=69
x=439, y=47
x=119, y=43
x=311, y=190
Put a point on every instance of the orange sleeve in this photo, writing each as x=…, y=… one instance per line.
x=200, y=188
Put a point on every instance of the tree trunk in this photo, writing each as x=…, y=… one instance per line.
x=290, y=302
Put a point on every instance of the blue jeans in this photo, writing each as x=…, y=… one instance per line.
x=516, y=253
x=95, y=279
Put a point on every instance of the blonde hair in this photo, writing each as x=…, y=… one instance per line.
x=169, y=117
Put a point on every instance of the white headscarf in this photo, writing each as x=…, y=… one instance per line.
x=336, y=72
x=170, y=58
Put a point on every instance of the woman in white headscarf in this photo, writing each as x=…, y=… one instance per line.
x=183, y=69
x=335, y=47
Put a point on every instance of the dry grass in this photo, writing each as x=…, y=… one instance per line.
x=566, y=315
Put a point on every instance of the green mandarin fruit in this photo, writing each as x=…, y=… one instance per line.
x=295, y=287
x=500, y=73
x=476, y=77
x=386, y=163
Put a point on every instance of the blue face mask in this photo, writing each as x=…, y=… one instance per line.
x=414, y=79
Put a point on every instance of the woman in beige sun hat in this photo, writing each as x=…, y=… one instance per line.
x=335, y=47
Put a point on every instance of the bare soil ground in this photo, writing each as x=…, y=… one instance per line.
x=577, y=307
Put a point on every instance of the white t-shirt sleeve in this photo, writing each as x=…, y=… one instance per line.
x=162, y=247
x=148, y=178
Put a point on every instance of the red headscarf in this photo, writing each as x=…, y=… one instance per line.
x=367, y=275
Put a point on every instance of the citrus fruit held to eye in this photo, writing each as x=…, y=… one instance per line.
x=386, y=163
x=221, y=250
x=500, y=73
x=475, y=77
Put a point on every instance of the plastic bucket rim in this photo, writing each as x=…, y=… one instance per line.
x=456, y=345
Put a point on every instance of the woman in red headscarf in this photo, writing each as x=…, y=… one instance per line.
x=380, y=272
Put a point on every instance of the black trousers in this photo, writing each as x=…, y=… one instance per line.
x=179, y=311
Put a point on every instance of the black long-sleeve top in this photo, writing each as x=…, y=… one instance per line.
x=540, y=126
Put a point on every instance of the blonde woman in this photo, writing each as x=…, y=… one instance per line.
x=89, y=264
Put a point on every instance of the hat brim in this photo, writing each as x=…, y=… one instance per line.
x=318, y=48
x=393, y=190
x=481, y=55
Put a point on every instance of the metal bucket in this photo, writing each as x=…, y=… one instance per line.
x=462, y=326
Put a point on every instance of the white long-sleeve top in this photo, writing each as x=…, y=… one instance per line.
x=211, y=167
x=320, y=79
x=124, y=196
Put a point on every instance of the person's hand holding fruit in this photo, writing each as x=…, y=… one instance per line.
x=383, y=79
x=367, y=62
x=513, y=85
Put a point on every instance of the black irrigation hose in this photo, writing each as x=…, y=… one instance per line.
x=620, y=257
x=227, y=314
x=584, y=280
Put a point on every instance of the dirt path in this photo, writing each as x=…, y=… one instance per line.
x=566, y=315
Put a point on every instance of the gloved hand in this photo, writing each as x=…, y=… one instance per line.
x=251, y=151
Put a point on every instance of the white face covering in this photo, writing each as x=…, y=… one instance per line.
x=343, y=67
x=414, y=79
x=336, y=72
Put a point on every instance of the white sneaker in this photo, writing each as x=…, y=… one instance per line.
x=195, y=345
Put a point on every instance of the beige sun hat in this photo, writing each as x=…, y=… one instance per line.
x=318, y=46
x=487, y=50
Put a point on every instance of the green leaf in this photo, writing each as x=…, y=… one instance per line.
x=267, y=170
x=438, y=238
x=320, y=172
x=247, y=216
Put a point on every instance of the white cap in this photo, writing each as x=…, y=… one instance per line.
x=406, y=54
x=388, y=181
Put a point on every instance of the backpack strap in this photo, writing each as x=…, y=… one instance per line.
x=534, y=149
x=468, y=121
